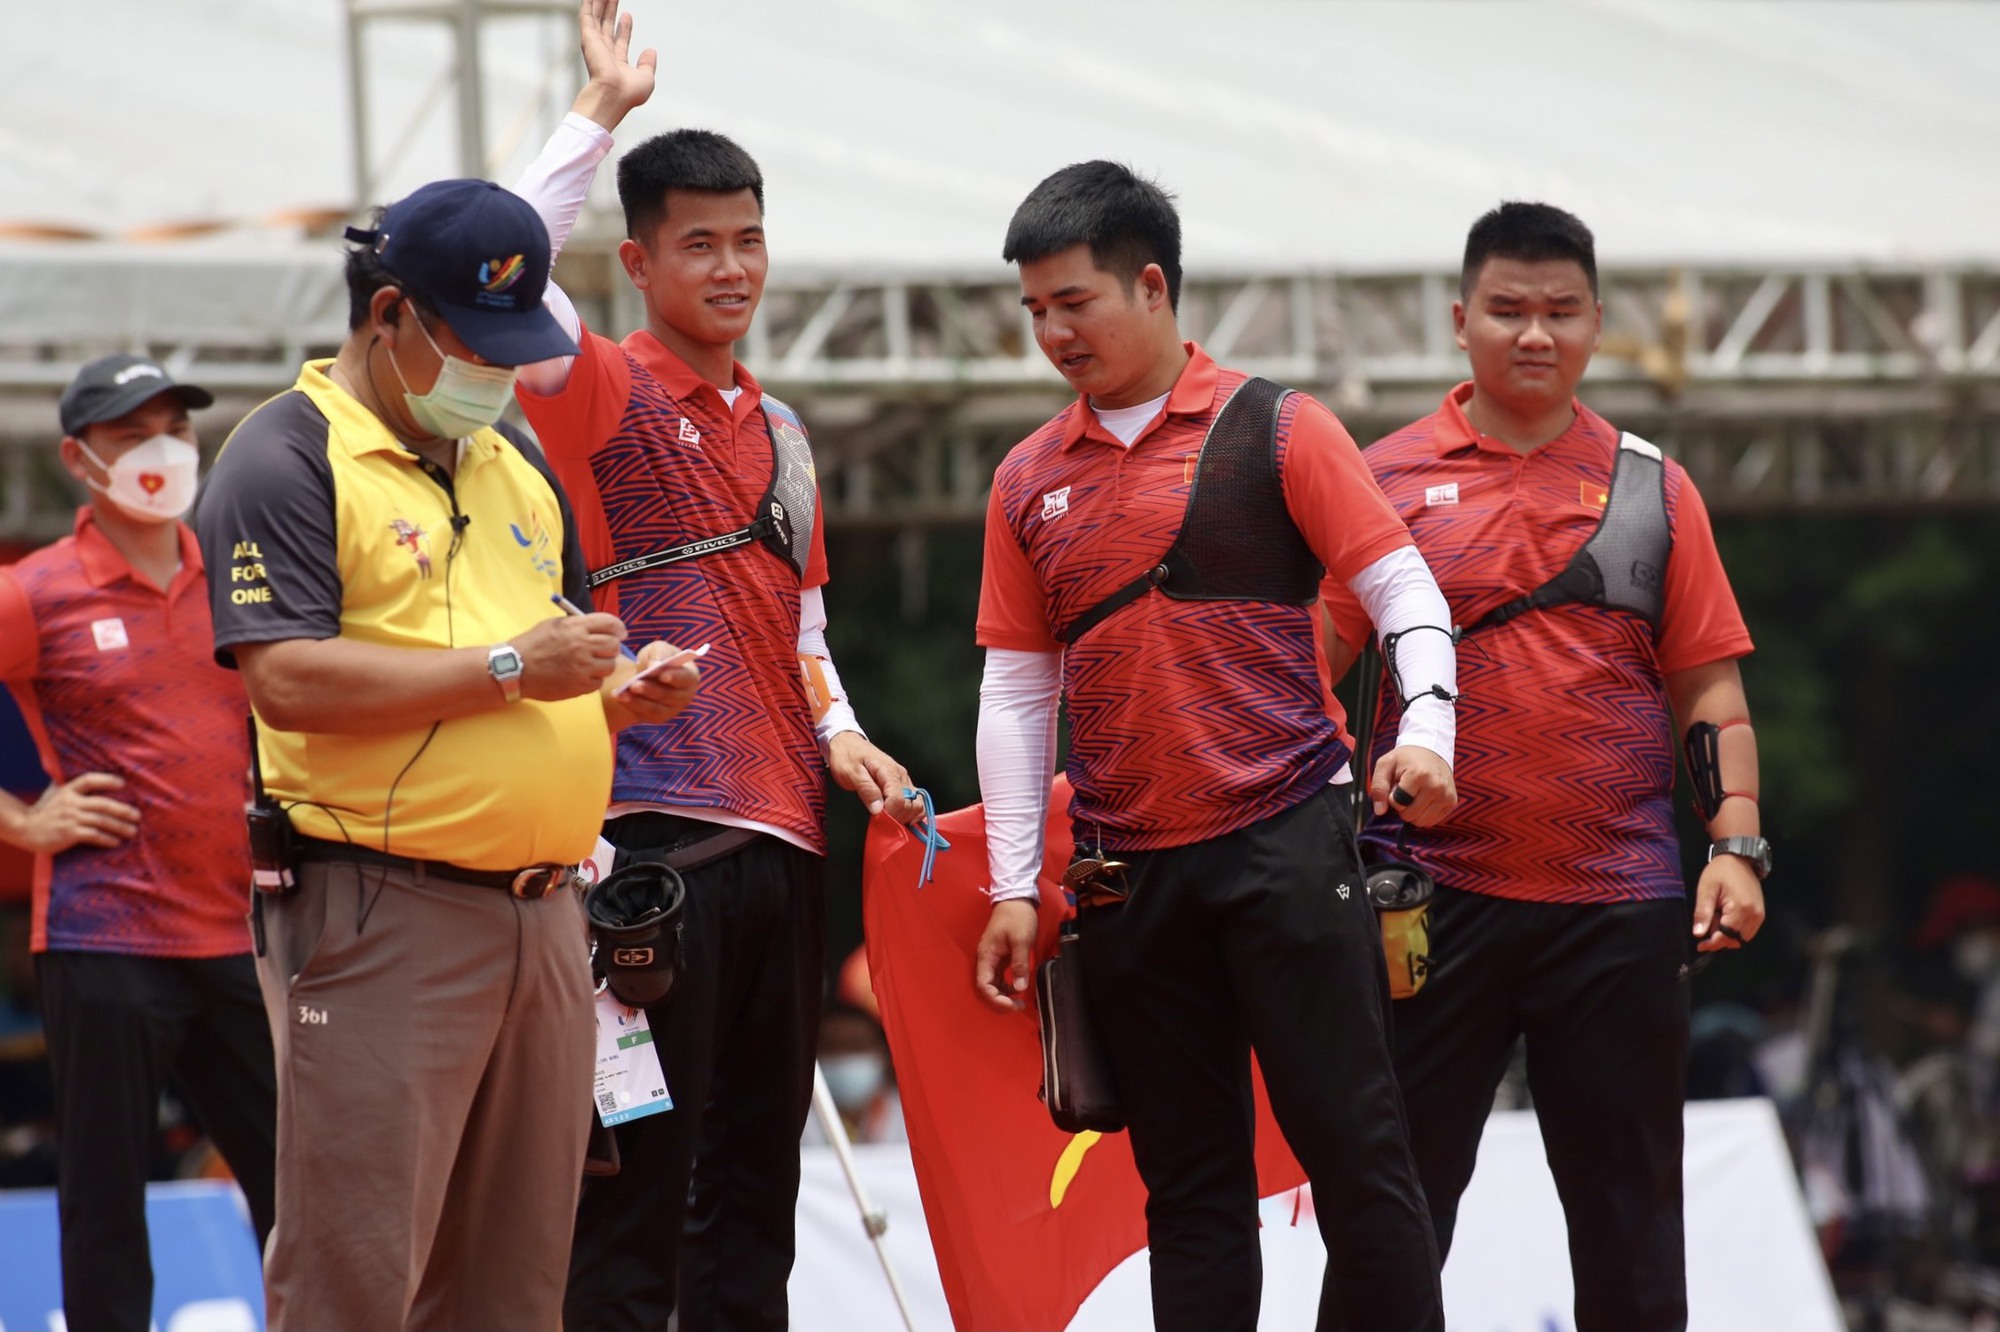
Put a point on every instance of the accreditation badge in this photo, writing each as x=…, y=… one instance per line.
x=629, y=1082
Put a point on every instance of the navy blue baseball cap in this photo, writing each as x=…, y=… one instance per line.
x=479, y=256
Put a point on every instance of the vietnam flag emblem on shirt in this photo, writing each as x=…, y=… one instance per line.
x=1026, y=1220
x=1593, y=493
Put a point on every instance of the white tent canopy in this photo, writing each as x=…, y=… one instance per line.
x=894, y=132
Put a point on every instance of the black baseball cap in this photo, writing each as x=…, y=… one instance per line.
x=479, y=256
x=111, y=386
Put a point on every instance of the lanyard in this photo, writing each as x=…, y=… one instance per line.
x=925, y=830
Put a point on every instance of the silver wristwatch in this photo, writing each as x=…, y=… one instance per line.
x=504, y=664
x=1753, y=849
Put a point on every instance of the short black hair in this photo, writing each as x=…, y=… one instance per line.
x=1532, y=233
x=1125, y=219
x=367, y=275
x=682, y=159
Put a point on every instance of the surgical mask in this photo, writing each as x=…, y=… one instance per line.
x=853, y=1079
x=1976, y=956
x=466, y=399
x=153, y=482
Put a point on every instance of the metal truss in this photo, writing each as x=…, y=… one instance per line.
x=1777, y=388
x=460, y=78
x=1675, y=328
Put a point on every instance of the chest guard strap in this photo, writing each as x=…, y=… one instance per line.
x=1237, y=540
x=785, y=514
x=1624, y=563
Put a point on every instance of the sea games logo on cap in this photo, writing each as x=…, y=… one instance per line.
x=496, y=276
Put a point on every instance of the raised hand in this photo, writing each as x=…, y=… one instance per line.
x=617, y=82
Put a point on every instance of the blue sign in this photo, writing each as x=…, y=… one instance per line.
x=206, y=1273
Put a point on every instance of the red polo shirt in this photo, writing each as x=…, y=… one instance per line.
x=1188, y=719
x=652, y=457
x=1565, y=762
x=114, y=675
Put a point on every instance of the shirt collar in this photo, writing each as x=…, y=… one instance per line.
x=1455, y=430
x=679, y=379
x=360, y=431
x=102, y=563
x=1193, y=393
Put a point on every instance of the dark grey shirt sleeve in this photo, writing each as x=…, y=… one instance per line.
x=268, y=531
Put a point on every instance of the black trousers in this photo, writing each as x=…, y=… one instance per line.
x=1596, y=991
x=117, y=1026
x=701, y=1213
x=1245, y=942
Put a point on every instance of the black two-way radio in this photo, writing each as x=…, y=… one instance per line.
x=273, y=846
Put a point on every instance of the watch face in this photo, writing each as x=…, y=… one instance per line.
x=504, y=661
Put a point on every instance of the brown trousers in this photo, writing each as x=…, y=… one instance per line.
x=434, y=1049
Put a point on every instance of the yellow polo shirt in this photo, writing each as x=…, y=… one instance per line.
x=317, y=523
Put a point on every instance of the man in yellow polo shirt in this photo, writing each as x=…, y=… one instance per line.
x=387, y=574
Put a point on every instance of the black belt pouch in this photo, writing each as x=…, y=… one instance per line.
x=1077, y=1083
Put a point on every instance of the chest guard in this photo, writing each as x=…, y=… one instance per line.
x=1624, y=563
x=1237, y=540
x=784, y=518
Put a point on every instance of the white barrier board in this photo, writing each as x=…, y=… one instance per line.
x=1753, y=1265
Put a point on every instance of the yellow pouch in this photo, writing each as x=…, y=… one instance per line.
x=1406, y=942
x=1401, y=895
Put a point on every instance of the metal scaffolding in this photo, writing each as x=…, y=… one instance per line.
x=468, y=26
x=1778, y=388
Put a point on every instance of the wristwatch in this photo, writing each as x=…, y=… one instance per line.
x=504, y=664
x=1753, y=849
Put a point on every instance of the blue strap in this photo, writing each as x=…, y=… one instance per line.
x=925, y=831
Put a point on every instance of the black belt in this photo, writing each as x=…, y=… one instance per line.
x=535, y=881
x=682, y=843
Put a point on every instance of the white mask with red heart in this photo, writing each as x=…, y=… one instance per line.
x=153, y=482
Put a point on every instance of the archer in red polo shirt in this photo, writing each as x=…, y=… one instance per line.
x=130, y=713
x=1205, y=761
x=142, y=882
x=1565, y=763
x=695, y=496
x=1559, y=915
x=1229, y=724
x=745, y=749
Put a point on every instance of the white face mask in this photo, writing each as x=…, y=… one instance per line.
x=151, y=483
x=1976, y=955
x=853, y=1079
x=466, y=398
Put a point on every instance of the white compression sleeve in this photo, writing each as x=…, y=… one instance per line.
x=1017, y=756
x=1399, y=594
x=832, y=713
x=556, y=184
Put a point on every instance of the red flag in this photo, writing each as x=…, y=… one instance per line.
x=1025, y=1219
